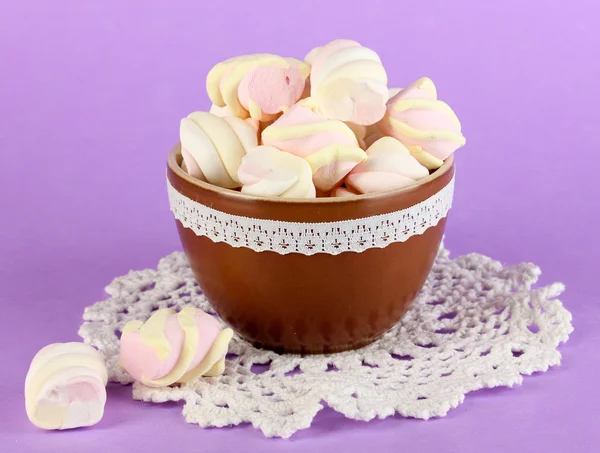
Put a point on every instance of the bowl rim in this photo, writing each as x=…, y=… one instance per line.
x=175, y=157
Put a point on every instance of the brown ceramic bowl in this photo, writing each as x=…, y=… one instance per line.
x=310, y=304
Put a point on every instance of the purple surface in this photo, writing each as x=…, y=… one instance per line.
x=90, y=98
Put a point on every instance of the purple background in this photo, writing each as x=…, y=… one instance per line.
x=91, y=93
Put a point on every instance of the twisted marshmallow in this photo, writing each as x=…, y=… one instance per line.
x=174, y=347
x=260, y=86
x=213, y=147
x=426, y=126
x=389, y=166
x=348, y=82
x=329, y=146
x=269, y=172
x=65, y=387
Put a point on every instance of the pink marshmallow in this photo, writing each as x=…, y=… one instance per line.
x=426, y=125
x=389, y=166
x=155, y=357
x=349, y=83
x=271, y=88
x=305, y=144
x=141, y=360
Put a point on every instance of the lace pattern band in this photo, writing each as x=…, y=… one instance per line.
x=311, y=238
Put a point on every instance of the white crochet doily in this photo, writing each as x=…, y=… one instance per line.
x=475, y=324
x=310, y=238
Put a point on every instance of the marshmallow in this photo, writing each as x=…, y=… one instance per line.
x=65, y=387
x=330, y=146
x=389, y=166
x=174, y=347
x=269, y=172
x=259, y=86
x=348, y=82
x=426, y=126
x=213, y=147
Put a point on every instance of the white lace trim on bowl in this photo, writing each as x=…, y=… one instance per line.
x=311, y=238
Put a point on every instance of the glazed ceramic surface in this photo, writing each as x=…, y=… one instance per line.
x=310, y=304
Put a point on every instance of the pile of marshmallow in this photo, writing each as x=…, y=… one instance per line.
x=327, y=126
x=65, y=386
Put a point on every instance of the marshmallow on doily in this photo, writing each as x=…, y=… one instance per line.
x=328, y=145
x=348, y=82
x=267, y=171
x=212, y=147
x=174, y=347
x=65, y=387
x=259, y=86
x=428, y=127
x=389, y=166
